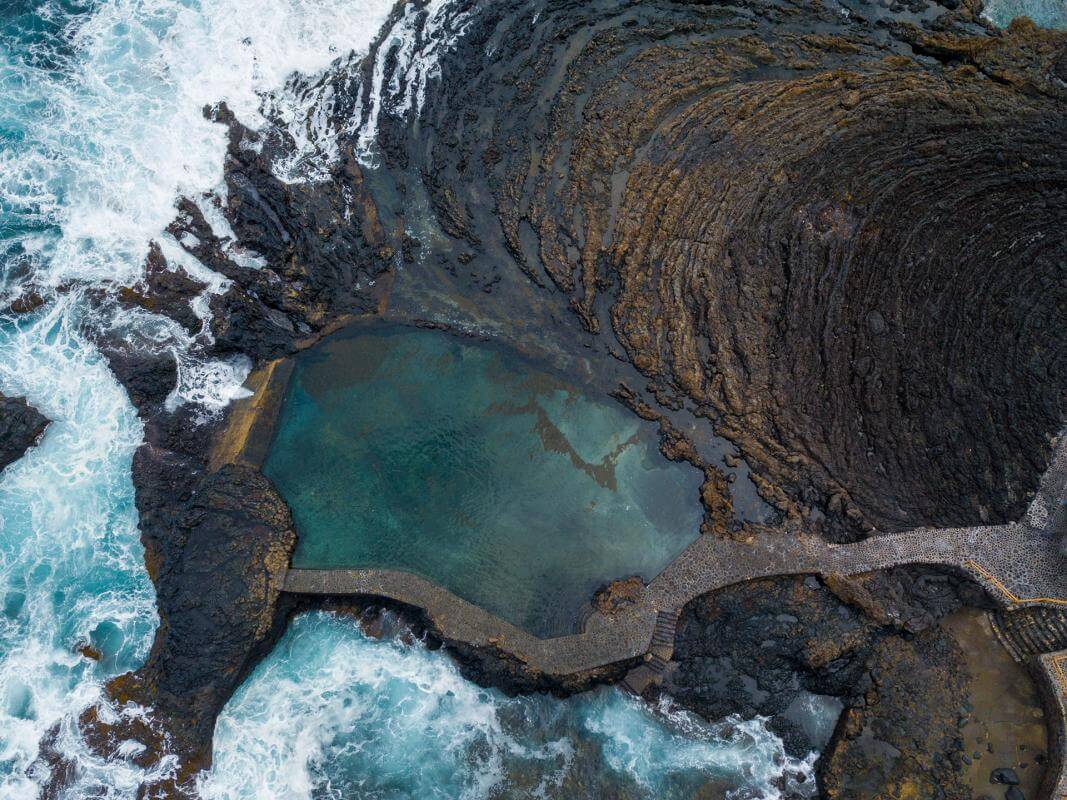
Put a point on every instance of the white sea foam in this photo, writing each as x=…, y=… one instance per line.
x=122, y=133
x=70, y=559
x=333, y=714
x=107, y=133
x=415, y=52
x=112, y=136
x=211, y=385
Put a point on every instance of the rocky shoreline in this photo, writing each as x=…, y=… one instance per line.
x=21, y=427
x=833, y=239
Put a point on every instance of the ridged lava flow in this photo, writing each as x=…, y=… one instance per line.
x=845, y=244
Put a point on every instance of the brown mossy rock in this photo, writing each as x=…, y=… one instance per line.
x=21, y=427
x=618, y=595
x=819, y=227
x=902, y=740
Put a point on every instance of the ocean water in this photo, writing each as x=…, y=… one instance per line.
x=394, y=720
x=1047, y=13
x=476, y=468
x=101, y=131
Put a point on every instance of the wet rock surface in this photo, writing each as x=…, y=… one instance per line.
x=217, y=548
x=834, y=238
x=913, y=712
x=773, y=207
x=754, y=648
x=21, y=427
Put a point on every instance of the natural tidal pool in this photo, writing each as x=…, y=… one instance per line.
x=476, y=468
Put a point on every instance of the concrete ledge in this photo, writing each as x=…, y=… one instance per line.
x=605, y=641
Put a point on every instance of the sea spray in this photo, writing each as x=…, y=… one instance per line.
x=71, y=564
x=101, y=131
x=334, y=713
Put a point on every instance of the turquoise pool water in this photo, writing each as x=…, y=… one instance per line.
x=1047, y=13
x=471, y=466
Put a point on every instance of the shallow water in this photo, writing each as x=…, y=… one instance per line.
x=473, y=467
x=1047, y=13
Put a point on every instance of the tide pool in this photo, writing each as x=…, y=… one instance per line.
x=101, y=131
x=472, y=466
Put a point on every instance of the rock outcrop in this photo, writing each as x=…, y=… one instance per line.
x=21, y=427
x=903, y=686
x=837, y=237
x=817, y=225
x=217, y=548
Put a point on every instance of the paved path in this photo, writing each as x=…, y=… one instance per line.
x=1020, y=564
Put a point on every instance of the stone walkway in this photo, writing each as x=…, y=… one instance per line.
x=1021, y=564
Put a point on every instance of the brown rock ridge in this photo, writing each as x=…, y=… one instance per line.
x=837, y=237
x=840, y=236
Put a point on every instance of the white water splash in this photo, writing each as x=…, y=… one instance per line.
x=334, y=714
x=416, y=50
x=70, y=561
x=101, y=131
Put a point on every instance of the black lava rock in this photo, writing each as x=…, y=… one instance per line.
x=21, y=426
x=1004, y=775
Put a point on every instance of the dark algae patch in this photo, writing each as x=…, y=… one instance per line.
x=472, y=467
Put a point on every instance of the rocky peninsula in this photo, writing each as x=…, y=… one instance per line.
x=829, y=235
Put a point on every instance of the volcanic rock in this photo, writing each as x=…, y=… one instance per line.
x=21, y=427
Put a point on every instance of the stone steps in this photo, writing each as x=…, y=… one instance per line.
x=584, y=613
x=1030, y=631
x=664, y=630
x=658, y=658
x=638, y=679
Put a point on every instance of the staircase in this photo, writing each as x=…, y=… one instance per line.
x=1030, y=631
x=663, y=633
x=658, y=657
